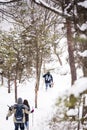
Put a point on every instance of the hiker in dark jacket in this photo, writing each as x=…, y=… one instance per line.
x=48, y=79
x=27, y=115
x=12, y=110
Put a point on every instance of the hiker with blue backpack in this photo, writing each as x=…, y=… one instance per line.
x=19, y=111
x=48, y=80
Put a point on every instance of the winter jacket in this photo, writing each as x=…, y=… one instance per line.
x=12, y=110
x=48, y=78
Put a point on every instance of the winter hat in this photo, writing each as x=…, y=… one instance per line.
x=19, y=101
x=48, y=72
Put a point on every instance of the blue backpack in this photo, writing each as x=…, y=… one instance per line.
x=19, y=113
x=48, y=78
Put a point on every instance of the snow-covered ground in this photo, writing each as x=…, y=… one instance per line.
x=39, y=120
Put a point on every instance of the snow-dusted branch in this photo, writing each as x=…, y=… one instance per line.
x=7, y=2
x=51, y=8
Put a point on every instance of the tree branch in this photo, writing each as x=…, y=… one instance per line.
x=7, y=2
x=47, y=6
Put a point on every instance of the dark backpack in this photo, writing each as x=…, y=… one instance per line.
x=48, y=78
x=19, y=113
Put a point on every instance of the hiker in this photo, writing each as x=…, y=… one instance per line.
x=48, y=80
x=27, y=115
x=19, y=111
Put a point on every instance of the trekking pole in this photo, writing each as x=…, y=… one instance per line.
x=8, y=105
x=9, y=108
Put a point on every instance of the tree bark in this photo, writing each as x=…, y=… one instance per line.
x=70, y=51
x=15, y=82
x=36, y=95
x=9, y=82
x=2, y=80
x=15, y=85
x=38, y=71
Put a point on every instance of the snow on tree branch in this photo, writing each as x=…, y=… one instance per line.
x=55, y=10
x=83, y=4
x=83, y=54
x=7, y=2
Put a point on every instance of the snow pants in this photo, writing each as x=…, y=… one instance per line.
x=48, y=85
x=27, y=125
x=17, y=125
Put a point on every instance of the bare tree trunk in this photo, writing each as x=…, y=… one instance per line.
x=70, y=51
x=36, y=87
x=9, y=82
x=36, y=95
x=2, y=81
x=38, y=72
x=37, y=79
x=15, y=82
x=59, y=59
x=15, y=85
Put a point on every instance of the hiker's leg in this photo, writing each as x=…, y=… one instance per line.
x=46, y=86
x=50, y=84
x=16, y=126
x=22, y=126
x=27, y=125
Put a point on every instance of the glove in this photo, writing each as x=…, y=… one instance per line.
x=32, y=111
x=10, y=108
x=6, y=117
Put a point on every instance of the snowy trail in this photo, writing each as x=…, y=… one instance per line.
x=46, y=100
